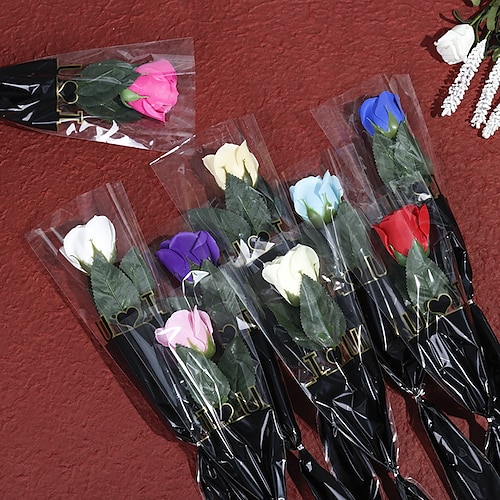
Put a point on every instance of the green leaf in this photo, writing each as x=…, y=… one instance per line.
x=134, y=266
x=248, y=203
x=206, y=382
x=408, y=157
x=353, y=238
x=99, y=87
x=424, y=279
x=224, y=226
x=491, y=19
x=322, y=319
x=112, y=290
x=237, y=365
x=289, y=318
x=384, y=157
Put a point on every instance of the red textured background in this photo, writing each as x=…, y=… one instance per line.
x=68, y=429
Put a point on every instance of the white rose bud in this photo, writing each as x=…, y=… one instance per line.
x=285, y=272
x=235, y=160
x=455, y=44
x=82, y=241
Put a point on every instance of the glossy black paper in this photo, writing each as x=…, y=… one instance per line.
x=350, y=465
x=28, y=94
x=243, y=460
x=243, y=457
x=475, y=477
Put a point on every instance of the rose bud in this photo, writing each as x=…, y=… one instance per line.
x=382, y=113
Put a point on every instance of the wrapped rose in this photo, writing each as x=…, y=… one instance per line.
x=81, y=243
x=235, y=160
x=154, y=93
x=454, y=46
x=190, y=329
x=401, y=228
x=316, y=199
x=382, y=113
x=186, y=248
x=285, y=272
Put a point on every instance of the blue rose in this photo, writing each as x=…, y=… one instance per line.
x=185, y=249
x=382, y=113
x=316, y=199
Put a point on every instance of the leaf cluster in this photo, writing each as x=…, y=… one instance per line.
x=247, y=211
x=400, y=157
x=318, y=323
x=99, y=88
x=116, y=289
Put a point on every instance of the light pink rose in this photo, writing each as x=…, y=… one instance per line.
x=154, y=93
x=190, y=329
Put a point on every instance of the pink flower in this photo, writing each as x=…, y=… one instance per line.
x=154, y=93
x=190, y=329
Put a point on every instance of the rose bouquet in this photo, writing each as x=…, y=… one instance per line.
x=132, y=95
x=373, y=168
x=200, y=374
x=224, y=183
x=348, y=236
x=469, y=43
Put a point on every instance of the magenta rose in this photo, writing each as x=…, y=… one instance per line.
x=154, y=93
x=185, y=249
x=190, y=329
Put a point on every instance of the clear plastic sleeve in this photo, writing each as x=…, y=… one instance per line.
x=250, y=196
x=139, y=95
x=395, y=162
x=387, y=316
x=219, y=401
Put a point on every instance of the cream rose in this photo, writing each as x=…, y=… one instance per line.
x=285, y=272
x=235, y=160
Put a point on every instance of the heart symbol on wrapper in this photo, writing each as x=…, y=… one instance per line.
x=439, y=305
x=68, y=91
x=129, y=317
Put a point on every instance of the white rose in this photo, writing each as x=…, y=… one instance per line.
x=285, y=272
x=81, y=242
x=455, y=44
x=232, y=159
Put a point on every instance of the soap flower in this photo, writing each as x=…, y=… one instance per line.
x=81, y=243
x=285, y=272
x=154, y=93
x=454, y=46
x=401, y=228
x=382, y=113
x=189, y=329
x=316, y=199
x=235, y=160
x=186, y=248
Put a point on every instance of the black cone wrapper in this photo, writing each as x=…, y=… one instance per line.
x=352, y=397
x=485, y=334
x=350, y=465
x=474, y=476
x=324, y=486
x=320, y=481
x=274, y=380
x=246, y=457
x=243, y=460
x=28, y=94
x=136, y=354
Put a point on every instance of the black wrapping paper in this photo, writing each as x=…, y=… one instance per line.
x=28, y=94
x=245, y=458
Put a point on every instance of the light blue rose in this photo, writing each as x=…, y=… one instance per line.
x=316, y=199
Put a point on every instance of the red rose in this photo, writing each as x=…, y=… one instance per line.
x=401, y=228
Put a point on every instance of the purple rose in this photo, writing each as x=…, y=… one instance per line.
x=186, y=248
